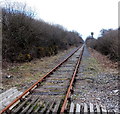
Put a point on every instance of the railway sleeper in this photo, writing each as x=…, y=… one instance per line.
x=33, y=104
x=84, y=108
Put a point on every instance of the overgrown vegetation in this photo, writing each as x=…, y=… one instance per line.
x=107, y=44
x=25, y=37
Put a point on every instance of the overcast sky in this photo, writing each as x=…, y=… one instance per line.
x=83, y=16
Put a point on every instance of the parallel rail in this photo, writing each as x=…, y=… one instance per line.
x=35, y=85
x=31, y=102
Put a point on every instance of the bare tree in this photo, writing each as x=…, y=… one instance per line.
x=25, y=37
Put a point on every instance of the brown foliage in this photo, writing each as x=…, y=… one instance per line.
x=23, y=35
x=107, y=44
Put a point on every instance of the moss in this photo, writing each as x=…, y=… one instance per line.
x=17, y=85
x=56, y=90
x=49, y=83
x=36, y=106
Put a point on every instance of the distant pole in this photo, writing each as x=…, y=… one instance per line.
x=92, y=34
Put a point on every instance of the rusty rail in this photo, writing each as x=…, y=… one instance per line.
x=71, y=83
x=35, y=84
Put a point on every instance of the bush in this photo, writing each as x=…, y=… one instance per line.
x=25, y=38
x=107, y=44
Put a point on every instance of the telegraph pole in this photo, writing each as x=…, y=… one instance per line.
x=92, y=33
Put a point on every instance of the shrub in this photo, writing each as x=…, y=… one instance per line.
x=107, y=44
x=25, y=37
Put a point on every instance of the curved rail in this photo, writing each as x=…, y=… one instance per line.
x=71, y=83
x=35, y=84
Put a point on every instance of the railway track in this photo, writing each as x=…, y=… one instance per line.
x=52, y=93
x=49, y=91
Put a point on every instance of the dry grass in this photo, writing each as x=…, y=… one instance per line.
x=104, y=61
x=25, y=74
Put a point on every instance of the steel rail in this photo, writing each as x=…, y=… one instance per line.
x=35, y=84
x=71, y=83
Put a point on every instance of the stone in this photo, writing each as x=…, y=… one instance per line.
x=115, y=91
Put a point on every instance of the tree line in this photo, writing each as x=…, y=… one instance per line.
x=25, y=37
x=107, y=44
